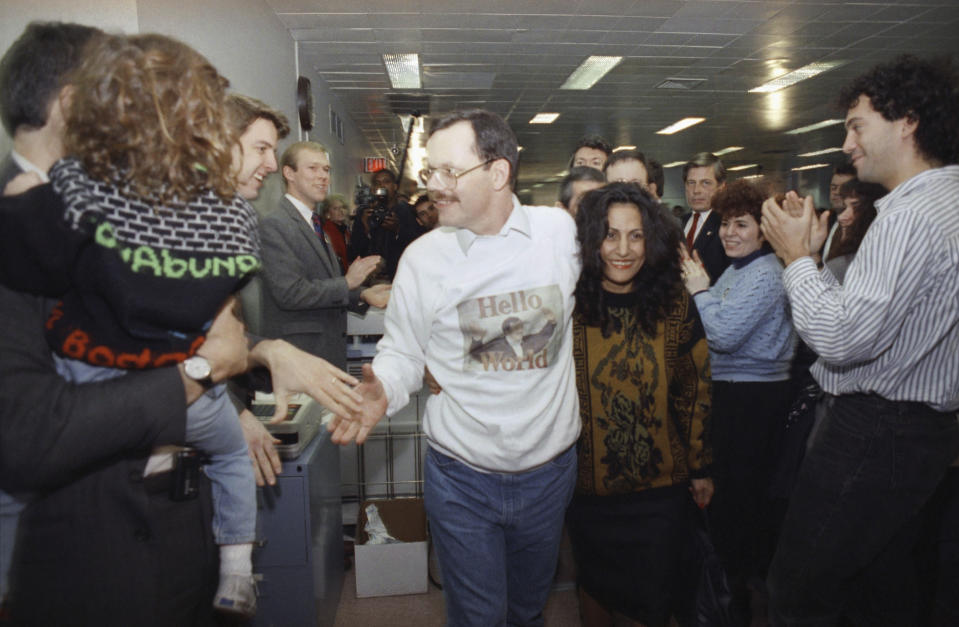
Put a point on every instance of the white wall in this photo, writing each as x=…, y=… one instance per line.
x=245, y=41
x=346, y=158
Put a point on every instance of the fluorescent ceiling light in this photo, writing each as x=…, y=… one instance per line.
x=679, y=126
x=674, y=164
x=726, y=151
x=813, y=127
x=811, y=167
x=743, y=167
x=753, y=176
x=544, y=118
x=816, y=153
x=404, y=70
x=806, y=71
x=590, y=71
x=618, y=148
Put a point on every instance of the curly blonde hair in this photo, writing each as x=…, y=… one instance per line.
x=147, y=114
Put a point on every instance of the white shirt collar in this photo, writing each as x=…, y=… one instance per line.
x=301, y=207
x=518, y=220
x=916, y=182
x=28, y=166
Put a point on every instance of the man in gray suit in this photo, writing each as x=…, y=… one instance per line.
x=306, y=293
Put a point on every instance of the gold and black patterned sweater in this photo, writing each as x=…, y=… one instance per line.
x=644, y=401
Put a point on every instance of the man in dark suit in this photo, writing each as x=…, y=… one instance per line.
x=81, y=450
x=306, y=293
x=31, y=83
x=387, y=227
x=31, y=86
x=703, y=176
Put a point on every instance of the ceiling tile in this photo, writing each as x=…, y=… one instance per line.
x=520, y=51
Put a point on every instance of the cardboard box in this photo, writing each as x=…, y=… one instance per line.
x=390, y=569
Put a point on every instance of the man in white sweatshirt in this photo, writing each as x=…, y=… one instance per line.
x=501, y=464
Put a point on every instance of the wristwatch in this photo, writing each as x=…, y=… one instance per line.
x=198, y=369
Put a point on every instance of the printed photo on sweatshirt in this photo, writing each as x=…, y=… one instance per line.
x=512, y=332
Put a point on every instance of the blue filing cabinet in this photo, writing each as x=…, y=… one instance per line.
x=300, y=524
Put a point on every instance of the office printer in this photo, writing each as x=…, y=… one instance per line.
x=305, y=418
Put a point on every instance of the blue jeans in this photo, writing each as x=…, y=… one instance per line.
x=846, y=543
x=497, y=537
x=211, y=426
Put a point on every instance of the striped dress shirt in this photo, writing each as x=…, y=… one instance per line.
x=893, y=327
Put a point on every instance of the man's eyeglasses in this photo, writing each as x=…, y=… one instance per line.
x=448, y=176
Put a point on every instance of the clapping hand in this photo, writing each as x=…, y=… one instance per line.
x=695, y=277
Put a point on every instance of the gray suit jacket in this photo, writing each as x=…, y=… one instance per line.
x=305, y=296
x=8, y=170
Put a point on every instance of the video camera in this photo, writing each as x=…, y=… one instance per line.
x=381, y=209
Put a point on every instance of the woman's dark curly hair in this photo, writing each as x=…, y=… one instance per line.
x=739, y=198
x=148, y=113
x=659, y=278
x=867, y=194
x=918, y=89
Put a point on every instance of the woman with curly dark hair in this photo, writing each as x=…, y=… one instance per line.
x=859, y=202
x=751, y=345
x=642, y=372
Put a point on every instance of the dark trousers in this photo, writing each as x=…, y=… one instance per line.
x=847, y=540
x=938, y=554
x=746, y=428
x=128, y=555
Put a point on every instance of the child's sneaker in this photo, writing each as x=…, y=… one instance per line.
x=236, y=594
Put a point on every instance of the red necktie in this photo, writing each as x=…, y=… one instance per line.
x=691, y=236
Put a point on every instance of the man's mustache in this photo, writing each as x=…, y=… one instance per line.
x=441, y=196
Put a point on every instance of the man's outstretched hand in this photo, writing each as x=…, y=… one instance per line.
x=371, y=410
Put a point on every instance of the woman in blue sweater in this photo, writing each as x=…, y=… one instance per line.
x=751, y=343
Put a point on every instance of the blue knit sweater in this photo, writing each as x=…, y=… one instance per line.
x=747, y=321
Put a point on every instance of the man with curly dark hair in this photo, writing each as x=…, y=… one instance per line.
x=887, y=340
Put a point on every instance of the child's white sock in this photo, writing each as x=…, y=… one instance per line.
x=236, y=559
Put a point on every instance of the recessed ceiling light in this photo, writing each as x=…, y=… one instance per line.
x=590, y=71
x=726, y=151
x=618, y=148
x=742, y=167
x=813, y=127
x=816, y=153
x=680, y=125
x=803, y=73
x=673, y=164
x=404, y=70
x=811, y=167
x=519, y=149
x=544, y=118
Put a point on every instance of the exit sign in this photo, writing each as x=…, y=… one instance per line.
x=374, y=164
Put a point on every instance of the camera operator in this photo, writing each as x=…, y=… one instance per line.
x=383, y=225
